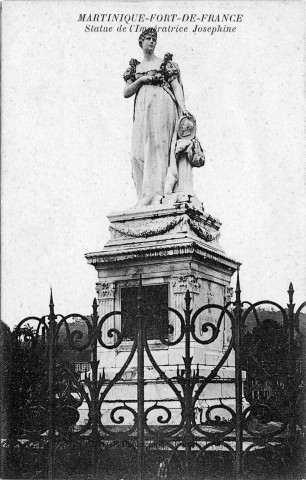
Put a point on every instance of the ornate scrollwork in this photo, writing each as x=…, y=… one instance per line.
x=297, y=320
x=119, y=420
x=163, y=419
x=252, y=309
x=112, y=333
x=257, y=421
x=26, y=333
x=163, y=336
x=216, y=421
x=208, y=326
x=269, y=441
x=76, y=339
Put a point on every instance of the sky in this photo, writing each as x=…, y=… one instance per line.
x=66, y=131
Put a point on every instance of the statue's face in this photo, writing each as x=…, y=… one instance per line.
x=149, y=43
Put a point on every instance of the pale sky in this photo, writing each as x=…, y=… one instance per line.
x=66, y=142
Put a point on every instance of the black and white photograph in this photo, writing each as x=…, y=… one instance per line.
x=153, y=274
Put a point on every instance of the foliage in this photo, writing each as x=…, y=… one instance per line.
x=27, y=388
x=5, y=369
x=266, y=360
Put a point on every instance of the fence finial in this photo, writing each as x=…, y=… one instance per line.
x=238, y=290
x=51, y=304
x=187, y=299
x=290, y=292
x=94, y=306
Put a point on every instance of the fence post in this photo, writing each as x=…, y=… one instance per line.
x=188, y=387
x=140, y=383
x=51, y=375
x=238, y=379
x=95, y=392
x=291, y=362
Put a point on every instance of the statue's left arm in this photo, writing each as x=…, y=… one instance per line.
x=173, y=76
x=179, y=95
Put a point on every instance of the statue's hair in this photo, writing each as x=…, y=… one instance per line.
x=144, y=33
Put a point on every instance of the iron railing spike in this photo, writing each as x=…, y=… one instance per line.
x=290, y=292
x=187, y=299
x=238, y=289
x=51, y=304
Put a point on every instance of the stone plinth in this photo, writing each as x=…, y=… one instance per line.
x=178, y=246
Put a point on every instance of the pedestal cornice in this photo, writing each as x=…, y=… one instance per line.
x=183, y=249
x=179, y=231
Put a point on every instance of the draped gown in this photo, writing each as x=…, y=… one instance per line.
x=154, y=134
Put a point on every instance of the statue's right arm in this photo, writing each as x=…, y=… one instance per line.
x=132, y=88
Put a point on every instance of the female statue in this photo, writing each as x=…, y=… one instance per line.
x=159, y=102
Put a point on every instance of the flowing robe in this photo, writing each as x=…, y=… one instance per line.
x=154, y=134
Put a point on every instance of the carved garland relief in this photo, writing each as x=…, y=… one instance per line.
x=158, y=226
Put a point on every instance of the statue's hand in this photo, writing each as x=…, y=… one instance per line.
x=146, y=79
x=187, y=114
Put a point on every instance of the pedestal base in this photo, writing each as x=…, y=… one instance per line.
x=176, y=246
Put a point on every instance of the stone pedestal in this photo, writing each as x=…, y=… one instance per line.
x=177, y=245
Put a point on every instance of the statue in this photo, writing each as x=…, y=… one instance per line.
x=159, y=112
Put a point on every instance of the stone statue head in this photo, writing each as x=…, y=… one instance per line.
x=148, y=31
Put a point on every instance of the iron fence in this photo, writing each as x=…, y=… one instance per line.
x=255, y=440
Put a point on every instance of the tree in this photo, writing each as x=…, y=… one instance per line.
x=27, y=389
x=265, y=359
